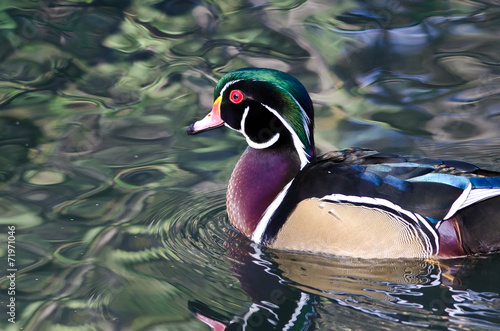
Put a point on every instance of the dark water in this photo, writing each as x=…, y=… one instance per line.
x=119, y=217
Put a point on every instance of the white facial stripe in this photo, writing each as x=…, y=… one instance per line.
x=243, y=119
x=308, y=121
x=227, y=85
x=252, y=143
x=299, y=146
x=304, y=114
x=267, y=144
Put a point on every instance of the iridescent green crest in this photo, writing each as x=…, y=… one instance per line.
x=295, y=105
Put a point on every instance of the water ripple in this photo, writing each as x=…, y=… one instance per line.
x=122, y=219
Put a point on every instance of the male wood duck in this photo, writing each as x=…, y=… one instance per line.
x=353, y=202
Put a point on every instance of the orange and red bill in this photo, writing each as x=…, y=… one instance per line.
x=211, y=121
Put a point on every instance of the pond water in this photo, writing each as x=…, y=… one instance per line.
x=119, y=216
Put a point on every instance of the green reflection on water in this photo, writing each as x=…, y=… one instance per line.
x=121, y=218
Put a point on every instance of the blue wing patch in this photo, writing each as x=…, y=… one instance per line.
x=485, y=182
x=452, y=180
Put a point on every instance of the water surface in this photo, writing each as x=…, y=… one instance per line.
x=120, y=217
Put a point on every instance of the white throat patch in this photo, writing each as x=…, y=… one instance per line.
x=252, y=143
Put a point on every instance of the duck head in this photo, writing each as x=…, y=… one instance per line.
x=274, y=113
x=270, y=108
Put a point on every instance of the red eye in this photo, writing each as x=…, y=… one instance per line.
x=236, y=96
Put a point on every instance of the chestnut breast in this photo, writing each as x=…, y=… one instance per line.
x=256, y=180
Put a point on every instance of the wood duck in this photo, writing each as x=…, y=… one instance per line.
x=353, y=202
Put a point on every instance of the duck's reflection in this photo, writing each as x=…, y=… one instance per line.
x=286, y=288
x=275, y=304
